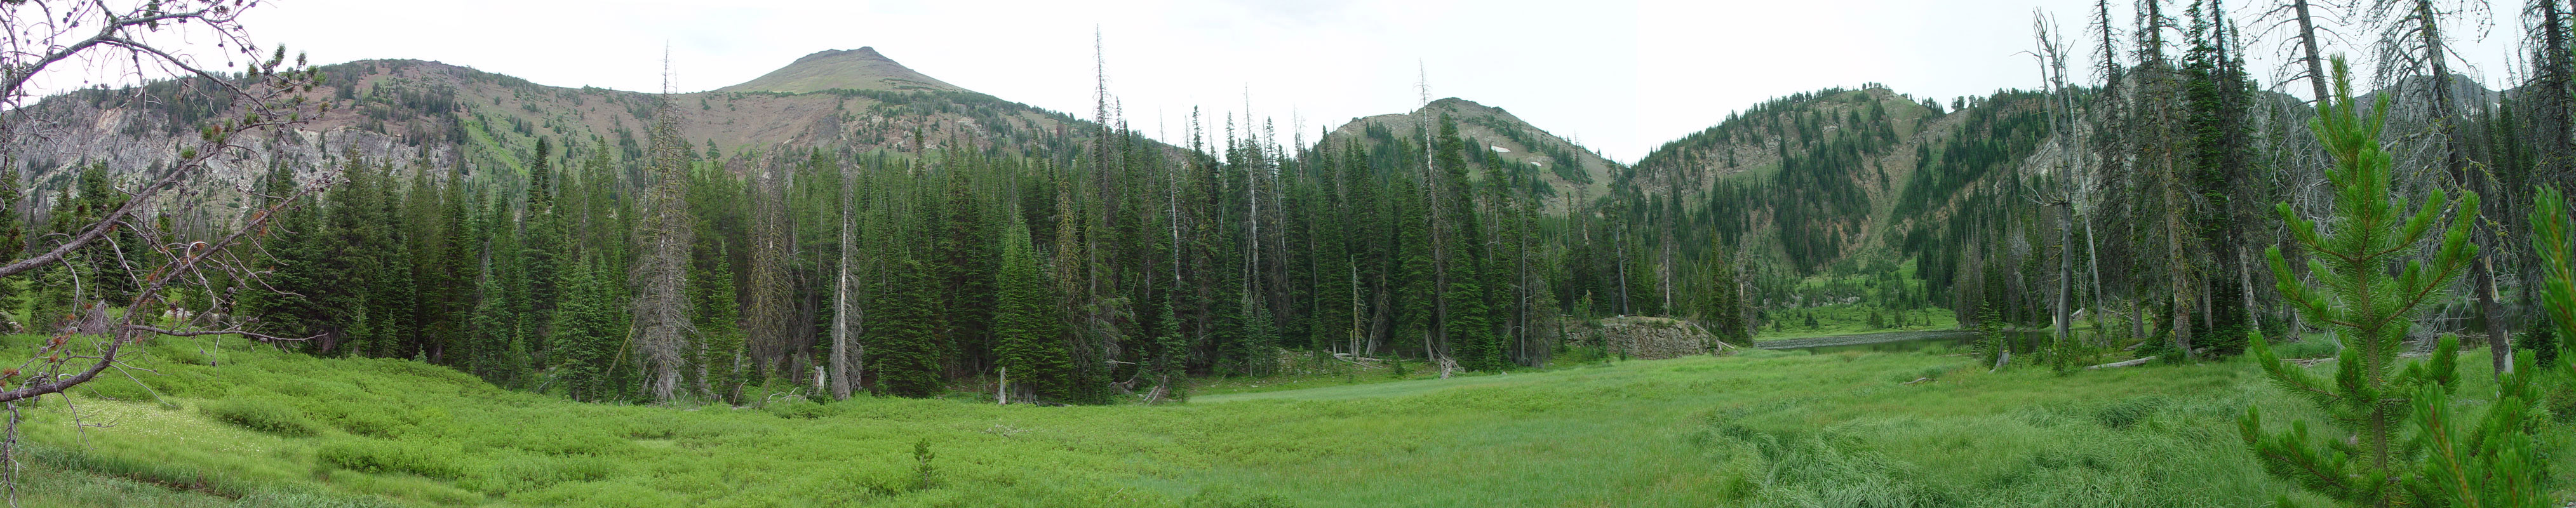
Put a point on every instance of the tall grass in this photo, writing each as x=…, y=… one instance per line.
x=1766, y=429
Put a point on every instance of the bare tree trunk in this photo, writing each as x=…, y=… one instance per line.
x=2308, y=47
x=2455, y=158
x=2245, y=281
x=842, y=379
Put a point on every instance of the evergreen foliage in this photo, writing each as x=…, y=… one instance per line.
x=591, y=333
x=1029, y=327
x=903, y=347
x=2369, y=461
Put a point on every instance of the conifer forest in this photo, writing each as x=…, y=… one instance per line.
x=2296, y=253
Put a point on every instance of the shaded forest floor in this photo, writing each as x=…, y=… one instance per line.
x=1765, y=428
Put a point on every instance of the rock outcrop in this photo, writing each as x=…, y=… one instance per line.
x=1654, y=338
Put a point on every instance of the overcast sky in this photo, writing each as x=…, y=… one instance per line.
x=1621, y=77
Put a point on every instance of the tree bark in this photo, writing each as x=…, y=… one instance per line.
x=842, y=379
x=2307, y=41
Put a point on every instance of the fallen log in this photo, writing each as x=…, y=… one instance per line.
x=2130, y=363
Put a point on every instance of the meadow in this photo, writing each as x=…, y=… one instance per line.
x=264, y=428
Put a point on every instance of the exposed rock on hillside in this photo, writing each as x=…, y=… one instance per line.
x=1654, y=338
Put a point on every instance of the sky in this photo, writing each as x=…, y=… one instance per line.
x=1621, y=77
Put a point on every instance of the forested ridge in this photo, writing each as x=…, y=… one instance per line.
x=2163, y=277
x=915, y=241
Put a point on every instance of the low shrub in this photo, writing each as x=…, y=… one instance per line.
x=116, y=389
x=1216, y=497
x=528, y=473
x=264, y=414
x=799, y=407
x=292, y=497
x=563, y=441
x=377, y=418
x=383, y=456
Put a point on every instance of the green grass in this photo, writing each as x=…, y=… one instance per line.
x=1847, y=319
x=1765, y=428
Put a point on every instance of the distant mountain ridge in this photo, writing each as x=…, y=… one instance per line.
x=854, y=69
x=467, y=122
x=1574, y=176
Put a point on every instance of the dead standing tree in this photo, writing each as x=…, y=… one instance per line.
x=2415, y=43
x=661, y=272
x=2071, y=181
x=95, y=41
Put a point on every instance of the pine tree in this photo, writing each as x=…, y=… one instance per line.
x=2551, y=227
x=2370, y=462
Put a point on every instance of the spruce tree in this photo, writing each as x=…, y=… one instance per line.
x=1721, y=304
x=1028, y=328
x=903, y=348
x=348, y=242
x=589, y=333
x=723, y=361
x=107, y=276
x=543, y=243
x=962, y=263
x=2369, y=461
x=13, y=232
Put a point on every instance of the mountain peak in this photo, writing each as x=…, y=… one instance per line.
x=854, y=69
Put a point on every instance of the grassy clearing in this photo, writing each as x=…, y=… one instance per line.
x=1766, y=428
x=1848, y=319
